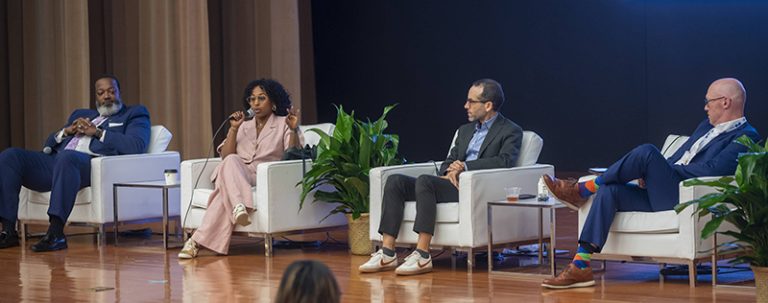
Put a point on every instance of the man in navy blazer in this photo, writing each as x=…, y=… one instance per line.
x=710, y=151
x=489, y=141
x=64, y=165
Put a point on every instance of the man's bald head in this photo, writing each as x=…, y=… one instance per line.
x=725, y=100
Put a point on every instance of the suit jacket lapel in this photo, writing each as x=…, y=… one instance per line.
x=462, y=142
x=720, y=138
x=491, y=134
x=270, y=124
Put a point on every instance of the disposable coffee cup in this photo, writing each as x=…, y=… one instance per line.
x=171, y=176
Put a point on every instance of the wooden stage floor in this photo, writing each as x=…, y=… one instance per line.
x=141, y=271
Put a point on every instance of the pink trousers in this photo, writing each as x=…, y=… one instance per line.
x=232, y=186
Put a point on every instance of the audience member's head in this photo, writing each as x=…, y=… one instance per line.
x=108, y=101
x=484, y=99
x=725, y=100
x=308, y=281
x=274, y=90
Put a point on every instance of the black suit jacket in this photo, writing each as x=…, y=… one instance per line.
x=500, y=149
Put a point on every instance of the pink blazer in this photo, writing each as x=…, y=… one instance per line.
x=268, y=146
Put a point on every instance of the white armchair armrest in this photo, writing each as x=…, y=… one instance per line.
x=106, y=171
x=190, y=171
x=478, y=187
x=277, y=200
x=691, y=225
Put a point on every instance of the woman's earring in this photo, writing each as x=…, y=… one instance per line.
x=274, y=108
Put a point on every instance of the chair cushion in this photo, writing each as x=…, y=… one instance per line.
x=446, y=212
x=83, y=197
x=158, y=139
x=646, y=222
x=529, y=149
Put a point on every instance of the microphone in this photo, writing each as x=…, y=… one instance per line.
x=47, y=150
x=249, y=114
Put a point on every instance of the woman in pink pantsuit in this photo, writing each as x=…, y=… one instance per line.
x=264, y=138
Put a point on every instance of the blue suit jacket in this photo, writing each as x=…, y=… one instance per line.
x=126, y=132
x=718, y=158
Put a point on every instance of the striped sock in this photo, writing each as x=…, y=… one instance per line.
x=590, y=187
x=582, y=258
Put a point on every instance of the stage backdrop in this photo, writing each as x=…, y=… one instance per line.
x=593, y=78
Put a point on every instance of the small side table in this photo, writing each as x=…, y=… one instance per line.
x=551, y=205
x=147, y=184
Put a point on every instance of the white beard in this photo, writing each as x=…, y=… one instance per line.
x=107, y=111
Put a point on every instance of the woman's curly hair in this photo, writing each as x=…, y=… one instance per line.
x=274, y=90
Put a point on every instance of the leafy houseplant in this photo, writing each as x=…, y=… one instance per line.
x=743, y=204
x=344, y=160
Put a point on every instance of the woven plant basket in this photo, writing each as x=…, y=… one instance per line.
x=359, y=236
x=761, y=283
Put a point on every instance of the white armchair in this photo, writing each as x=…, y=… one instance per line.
x=276, y=197
x=93, y=204
x=463, y=225
x=659, y=237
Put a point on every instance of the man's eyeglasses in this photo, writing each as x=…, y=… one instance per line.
x=706, y=101
x=470, y=101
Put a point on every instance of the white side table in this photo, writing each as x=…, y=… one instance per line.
x=146, y=184
x=552, y=204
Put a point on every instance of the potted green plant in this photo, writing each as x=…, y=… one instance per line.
x=743, y=203
x=339, y=175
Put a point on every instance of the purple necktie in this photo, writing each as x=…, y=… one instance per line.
x=73, y=143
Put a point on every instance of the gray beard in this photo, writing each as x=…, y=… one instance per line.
x=107, y=111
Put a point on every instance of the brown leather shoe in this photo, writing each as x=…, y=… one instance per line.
x=571, y=277
x=565, y=191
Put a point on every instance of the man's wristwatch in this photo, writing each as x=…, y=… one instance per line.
x=98, y=133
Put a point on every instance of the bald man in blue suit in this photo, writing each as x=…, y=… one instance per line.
x=710, y=151
x=64, y=165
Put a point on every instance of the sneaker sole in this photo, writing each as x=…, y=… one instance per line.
x=574, y=285
x=185, y=256
x=415, y=272
x=242, y=219
x=374, y=270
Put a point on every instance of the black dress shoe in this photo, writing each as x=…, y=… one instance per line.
x=8, y=240
x=50, y=243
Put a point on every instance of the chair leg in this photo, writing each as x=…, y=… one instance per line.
x=452, y=250
x=268, y=245
x=470, y=260
x=101, y=235
x=692, y=274
x=23, y=233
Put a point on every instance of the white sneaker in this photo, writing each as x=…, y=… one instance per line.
x=414, y=264
x=379, y=262
x=190, y=250
x=240, y=215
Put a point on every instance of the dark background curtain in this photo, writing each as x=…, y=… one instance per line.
x=593, y=78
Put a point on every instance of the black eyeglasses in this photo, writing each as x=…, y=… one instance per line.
x=706, y=101
x=470, y=101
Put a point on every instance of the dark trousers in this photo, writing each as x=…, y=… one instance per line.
x=661, y=192
x=427, y=190
x=63, y=173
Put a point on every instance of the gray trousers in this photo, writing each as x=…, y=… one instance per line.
x=427, y=190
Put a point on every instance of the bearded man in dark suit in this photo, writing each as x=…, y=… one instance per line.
x=64, y=165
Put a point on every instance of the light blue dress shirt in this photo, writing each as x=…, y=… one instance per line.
x=481, y=130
